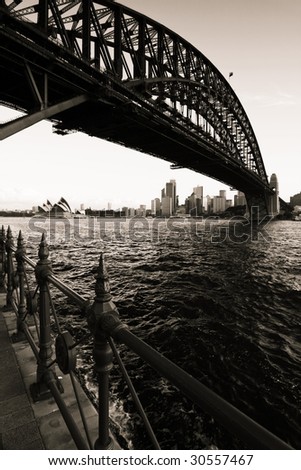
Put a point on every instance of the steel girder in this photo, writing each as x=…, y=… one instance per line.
x=155, y=68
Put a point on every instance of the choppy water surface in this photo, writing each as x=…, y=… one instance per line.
x=225, y=308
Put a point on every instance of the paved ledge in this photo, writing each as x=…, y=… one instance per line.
x=25, y=424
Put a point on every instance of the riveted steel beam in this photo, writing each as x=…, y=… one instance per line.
x=19, y=124
x=86, y=29
x=35, y=89
x=43, y=15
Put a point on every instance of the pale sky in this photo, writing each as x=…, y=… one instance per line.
x=258, y=40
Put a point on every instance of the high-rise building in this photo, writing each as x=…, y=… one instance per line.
x=240, y=199
x=208, y=204
x=219, y=204
x=190, y=205
x=194, y=205
x=166, y=209
x=198, y=191
x=141, y=211
x=155, y=207
x=199, y=201
x=171, y=192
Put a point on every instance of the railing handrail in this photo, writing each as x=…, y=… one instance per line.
x=61, y=286
x=46, y=377
x=104, y=323
x=228, y=415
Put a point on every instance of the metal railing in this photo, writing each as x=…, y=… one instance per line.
x=106, y=326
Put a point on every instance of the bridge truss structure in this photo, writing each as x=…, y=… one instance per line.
x=99, y=67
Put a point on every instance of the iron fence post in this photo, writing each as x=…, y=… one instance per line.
x=102, y=353
x=9, y=267
x=40, y=389
x=20, y=252
x=2, y=258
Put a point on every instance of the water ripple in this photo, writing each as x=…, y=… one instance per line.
x=227, y=313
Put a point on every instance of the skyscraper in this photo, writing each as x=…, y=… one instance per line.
x=239, y=199
x=166, y=206
x=155, y=206
x=171, y=192
x=199, y=199
x=219, y=204
x=198, y=191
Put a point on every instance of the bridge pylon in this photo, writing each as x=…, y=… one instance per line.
x=258, y=205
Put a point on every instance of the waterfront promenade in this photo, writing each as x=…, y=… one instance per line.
x=25, y=424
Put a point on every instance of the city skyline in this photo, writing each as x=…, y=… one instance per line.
x=110, y=206
x=264, y=70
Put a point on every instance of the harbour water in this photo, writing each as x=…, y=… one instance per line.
x=223, y=303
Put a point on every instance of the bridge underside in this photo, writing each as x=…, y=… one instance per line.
x=141, y=130
x=110, y=115
x=37, y=80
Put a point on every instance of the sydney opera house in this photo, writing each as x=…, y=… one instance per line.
x=60, y=210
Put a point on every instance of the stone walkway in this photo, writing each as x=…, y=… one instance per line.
x=25, y=424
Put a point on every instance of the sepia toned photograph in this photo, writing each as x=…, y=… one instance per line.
x=150, y=200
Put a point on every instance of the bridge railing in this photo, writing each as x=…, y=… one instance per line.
x=106, y=326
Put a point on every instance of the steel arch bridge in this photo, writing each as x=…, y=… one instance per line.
x=99, y=67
